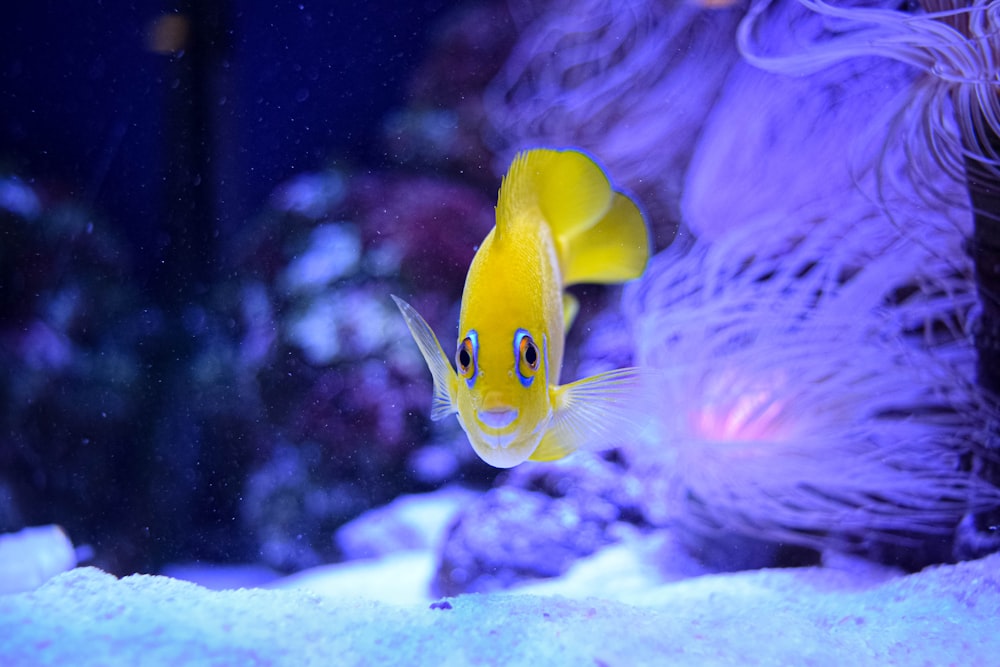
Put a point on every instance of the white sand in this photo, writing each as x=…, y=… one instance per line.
x=813, y=616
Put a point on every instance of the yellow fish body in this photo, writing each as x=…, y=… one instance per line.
x=558, y=222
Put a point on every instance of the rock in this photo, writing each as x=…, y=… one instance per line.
x=411, y=522
x=538, y=523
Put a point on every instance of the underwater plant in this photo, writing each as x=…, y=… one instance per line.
x=952, y=114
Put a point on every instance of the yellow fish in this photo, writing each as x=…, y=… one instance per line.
x=558, y=222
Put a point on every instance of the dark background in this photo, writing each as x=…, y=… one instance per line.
x=153, y=135
x=88, y=107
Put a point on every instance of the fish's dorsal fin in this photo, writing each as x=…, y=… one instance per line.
x=566, y=187
x=595, y=412
x=600, y=234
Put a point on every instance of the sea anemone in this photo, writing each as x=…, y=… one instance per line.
x=814, y=392
x=950, y=118
x=943, y=129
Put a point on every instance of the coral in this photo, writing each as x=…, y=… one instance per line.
x=234, y=392
x=409, y=523
x=71, y=333
x=812, y=345
x=942, y=131
x=292, y=506
x=342, y=395
x=537, y=522
x=242, y=421
x=425, y=229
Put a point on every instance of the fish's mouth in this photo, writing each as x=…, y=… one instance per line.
x=497, y=419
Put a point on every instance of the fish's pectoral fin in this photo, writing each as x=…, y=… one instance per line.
x=571, y=306
x=595, y=413
x=445, y=378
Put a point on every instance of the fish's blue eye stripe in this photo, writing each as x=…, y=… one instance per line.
x=545, y=353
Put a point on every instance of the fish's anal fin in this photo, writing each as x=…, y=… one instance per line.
x=445, y=378
x=551, y=448
x=614, y=250
x=594, y=413
x=571, y=306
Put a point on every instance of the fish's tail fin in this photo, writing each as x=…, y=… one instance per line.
x=600, y=233
x=613, y=250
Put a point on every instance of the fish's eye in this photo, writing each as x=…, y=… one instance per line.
x=530, y=353
x=465, y=357
x=527, y=355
